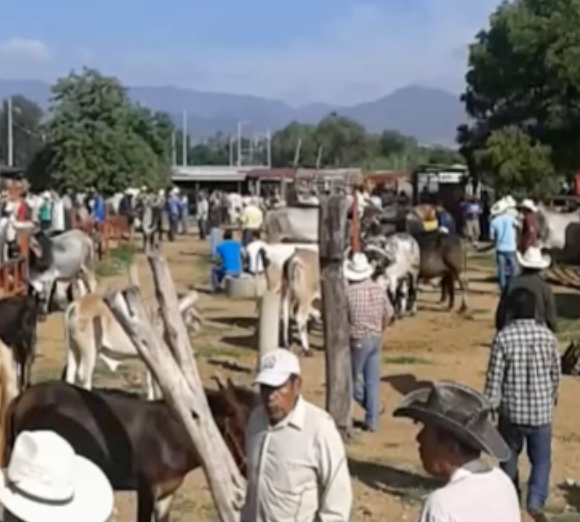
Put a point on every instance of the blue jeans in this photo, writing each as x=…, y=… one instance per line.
x=366, y=377
x=507, y=267
x=538, y=440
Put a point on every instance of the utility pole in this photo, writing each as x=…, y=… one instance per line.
x=269, y=149
x=184, y=140
x=239, y=158
x=10, y=134
x=173, y=149
x=231, y=151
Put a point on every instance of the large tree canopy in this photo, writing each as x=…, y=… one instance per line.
x=98, y=137
x=523, y=72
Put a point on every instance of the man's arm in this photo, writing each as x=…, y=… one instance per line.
x=388, y=311
x=333, y=476
x=495, y=373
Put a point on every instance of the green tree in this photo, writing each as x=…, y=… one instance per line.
x=521, y=166
x=98, y=137
x=292, y=138
x=27, y=130
x=523, y=71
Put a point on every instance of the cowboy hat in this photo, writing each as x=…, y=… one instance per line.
x=529, y=205
x=510, y=202
x=534, y=259
x=460, y=411
x=46, y=480
x=499, y=207
x=358, y=268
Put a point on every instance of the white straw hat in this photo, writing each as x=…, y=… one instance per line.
x=358, y=268
x=533, y=258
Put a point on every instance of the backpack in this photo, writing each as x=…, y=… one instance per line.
x=570, y=361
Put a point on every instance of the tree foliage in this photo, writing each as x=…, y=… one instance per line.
x=523, y=72
x=97, y=137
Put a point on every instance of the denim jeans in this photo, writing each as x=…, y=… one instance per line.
x=366, y=377
x=538, y=441
x=507, y=267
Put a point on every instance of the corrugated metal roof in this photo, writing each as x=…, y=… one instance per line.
x=211, y=173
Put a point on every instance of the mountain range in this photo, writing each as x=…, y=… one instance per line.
x=430, y=115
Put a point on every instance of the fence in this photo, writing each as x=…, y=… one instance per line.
x=114, y=232
x=14, y=273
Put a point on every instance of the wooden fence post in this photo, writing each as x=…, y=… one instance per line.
x=332, y=237
x=269, y=323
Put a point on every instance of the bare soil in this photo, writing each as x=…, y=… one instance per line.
x=437, y=344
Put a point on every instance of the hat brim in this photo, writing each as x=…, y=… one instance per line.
x=270, y=378
x=489, y=441
x=353, y=275
x=93, y=500
x=545, y=263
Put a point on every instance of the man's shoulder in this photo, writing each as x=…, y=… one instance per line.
x=527, y=328
x=320, y=420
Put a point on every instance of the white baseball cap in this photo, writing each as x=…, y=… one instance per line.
x=277, y=367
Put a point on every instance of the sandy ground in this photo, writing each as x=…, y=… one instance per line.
x=437, y=344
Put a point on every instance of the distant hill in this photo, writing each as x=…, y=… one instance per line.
x=430, y=115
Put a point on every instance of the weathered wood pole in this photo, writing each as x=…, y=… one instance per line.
x=332, y=237
x=269, y=323
x=355, y=229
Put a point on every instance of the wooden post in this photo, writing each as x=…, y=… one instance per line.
x=355, y=231
x=332, y=234
x=269, y=326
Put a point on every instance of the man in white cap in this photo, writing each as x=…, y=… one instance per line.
x=46, y=481
x=297, y=466
x=369, y=313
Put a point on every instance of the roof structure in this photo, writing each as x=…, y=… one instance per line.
x=211, y=173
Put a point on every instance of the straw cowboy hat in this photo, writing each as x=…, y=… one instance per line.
x=529, y=205
x=534, y=259
x=46, y=480
x=358, y=268
x=459, y=410
x=499, y=207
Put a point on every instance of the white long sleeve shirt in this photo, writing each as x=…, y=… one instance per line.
x=297, y=469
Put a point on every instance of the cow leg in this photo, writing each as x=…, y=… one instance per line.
x=86, y=368
x=153, y=390
x=413, y=287
x=145, y=502
x=404, y=289
x=463, y=284
x=302, y=324
x=450, y=284
x=162, y=508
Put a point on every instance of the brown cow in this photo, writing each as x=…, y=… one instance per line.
x=140, y=445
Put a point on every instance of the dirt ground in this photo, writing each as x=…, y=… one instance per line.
x=387, y=478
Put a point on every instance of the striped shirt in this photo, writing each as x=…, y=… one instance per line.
x=368, y=309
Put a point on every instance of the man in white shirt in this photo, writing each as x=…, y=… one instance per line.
x=297, y=466
x=456, y=430
x=252, y=254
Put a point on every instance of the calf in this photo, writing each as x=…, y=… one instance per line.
x=140, y=445
x=91, y=331
x=18, y=321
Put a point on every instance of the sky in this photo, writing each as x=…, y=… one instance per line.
x=300, y=51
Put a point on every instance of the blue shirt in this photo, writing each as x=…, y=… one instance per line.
x=172, y=207
x=99, y=209
x=502, y=231
x=230, y=253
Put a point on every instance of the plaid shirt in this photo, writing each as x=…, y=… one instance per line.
x=524, y=373
x=368, y=308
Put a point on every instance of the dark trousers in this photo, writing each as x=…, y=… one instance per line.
x=202, y=224
x=538, y=441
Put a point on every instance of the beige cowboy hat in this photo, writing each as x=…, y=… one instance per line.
x=46, y=480
x=499, y=207
x=534, y=259
x=461, y=411
x=358, y=268
x=529, y=205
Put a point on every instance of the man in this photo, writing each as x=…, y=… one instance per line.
x=173, y=208
x=532, y=263
x=252, y=219
x=46, y=481
x=369, y=312
x=471, y=211
x=502, y=232
x=529, y=236
x=202, y=215
x=184, y=214
x=456, y=431
x=252, y=254
x=229, y=253
x=522, y=383
x=45, y=212
x=297, y=467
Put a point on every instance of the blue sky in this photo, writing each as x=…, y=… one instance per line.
x=339, y=51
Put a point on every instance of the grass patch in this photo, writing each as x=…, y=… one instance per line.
x=568, y=329
x=210, y=352
x=118, y=261
x=405, y=359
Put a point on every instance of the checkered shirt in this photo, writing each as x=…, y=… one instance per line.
x=368, y=308
x=524, y=373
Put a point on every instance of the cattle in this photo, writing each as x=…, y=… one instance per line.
x=292, y=225
x=92, y=331
x=444, y=256
x=69, y=257
x=18, y=321
x=397, y=260
x=150, y=212
x=140, y=445
x=559, y=234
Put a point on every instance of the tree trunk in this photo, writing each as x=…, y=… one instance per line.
x=332, y=245
x=170, y=360
x=269, y=327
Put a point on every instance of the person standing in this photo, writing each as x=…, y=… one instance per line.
x=45, y=213
x=252, y=254
x=184, y=214
x=522, y=382
x=202, y=214
x=456, y=430
x=296, y=461
x=502, y=232
x=471, y=211
x=532, y=263
x=529, y=236
x=252, y=219
x=369, y=312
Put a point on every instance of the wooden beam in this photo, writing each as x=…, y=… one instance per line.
x=333, y=237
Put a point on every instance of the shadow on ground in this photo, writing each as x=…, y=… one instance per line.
x=404, y=484
x=567, y=305
x=405, y=383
